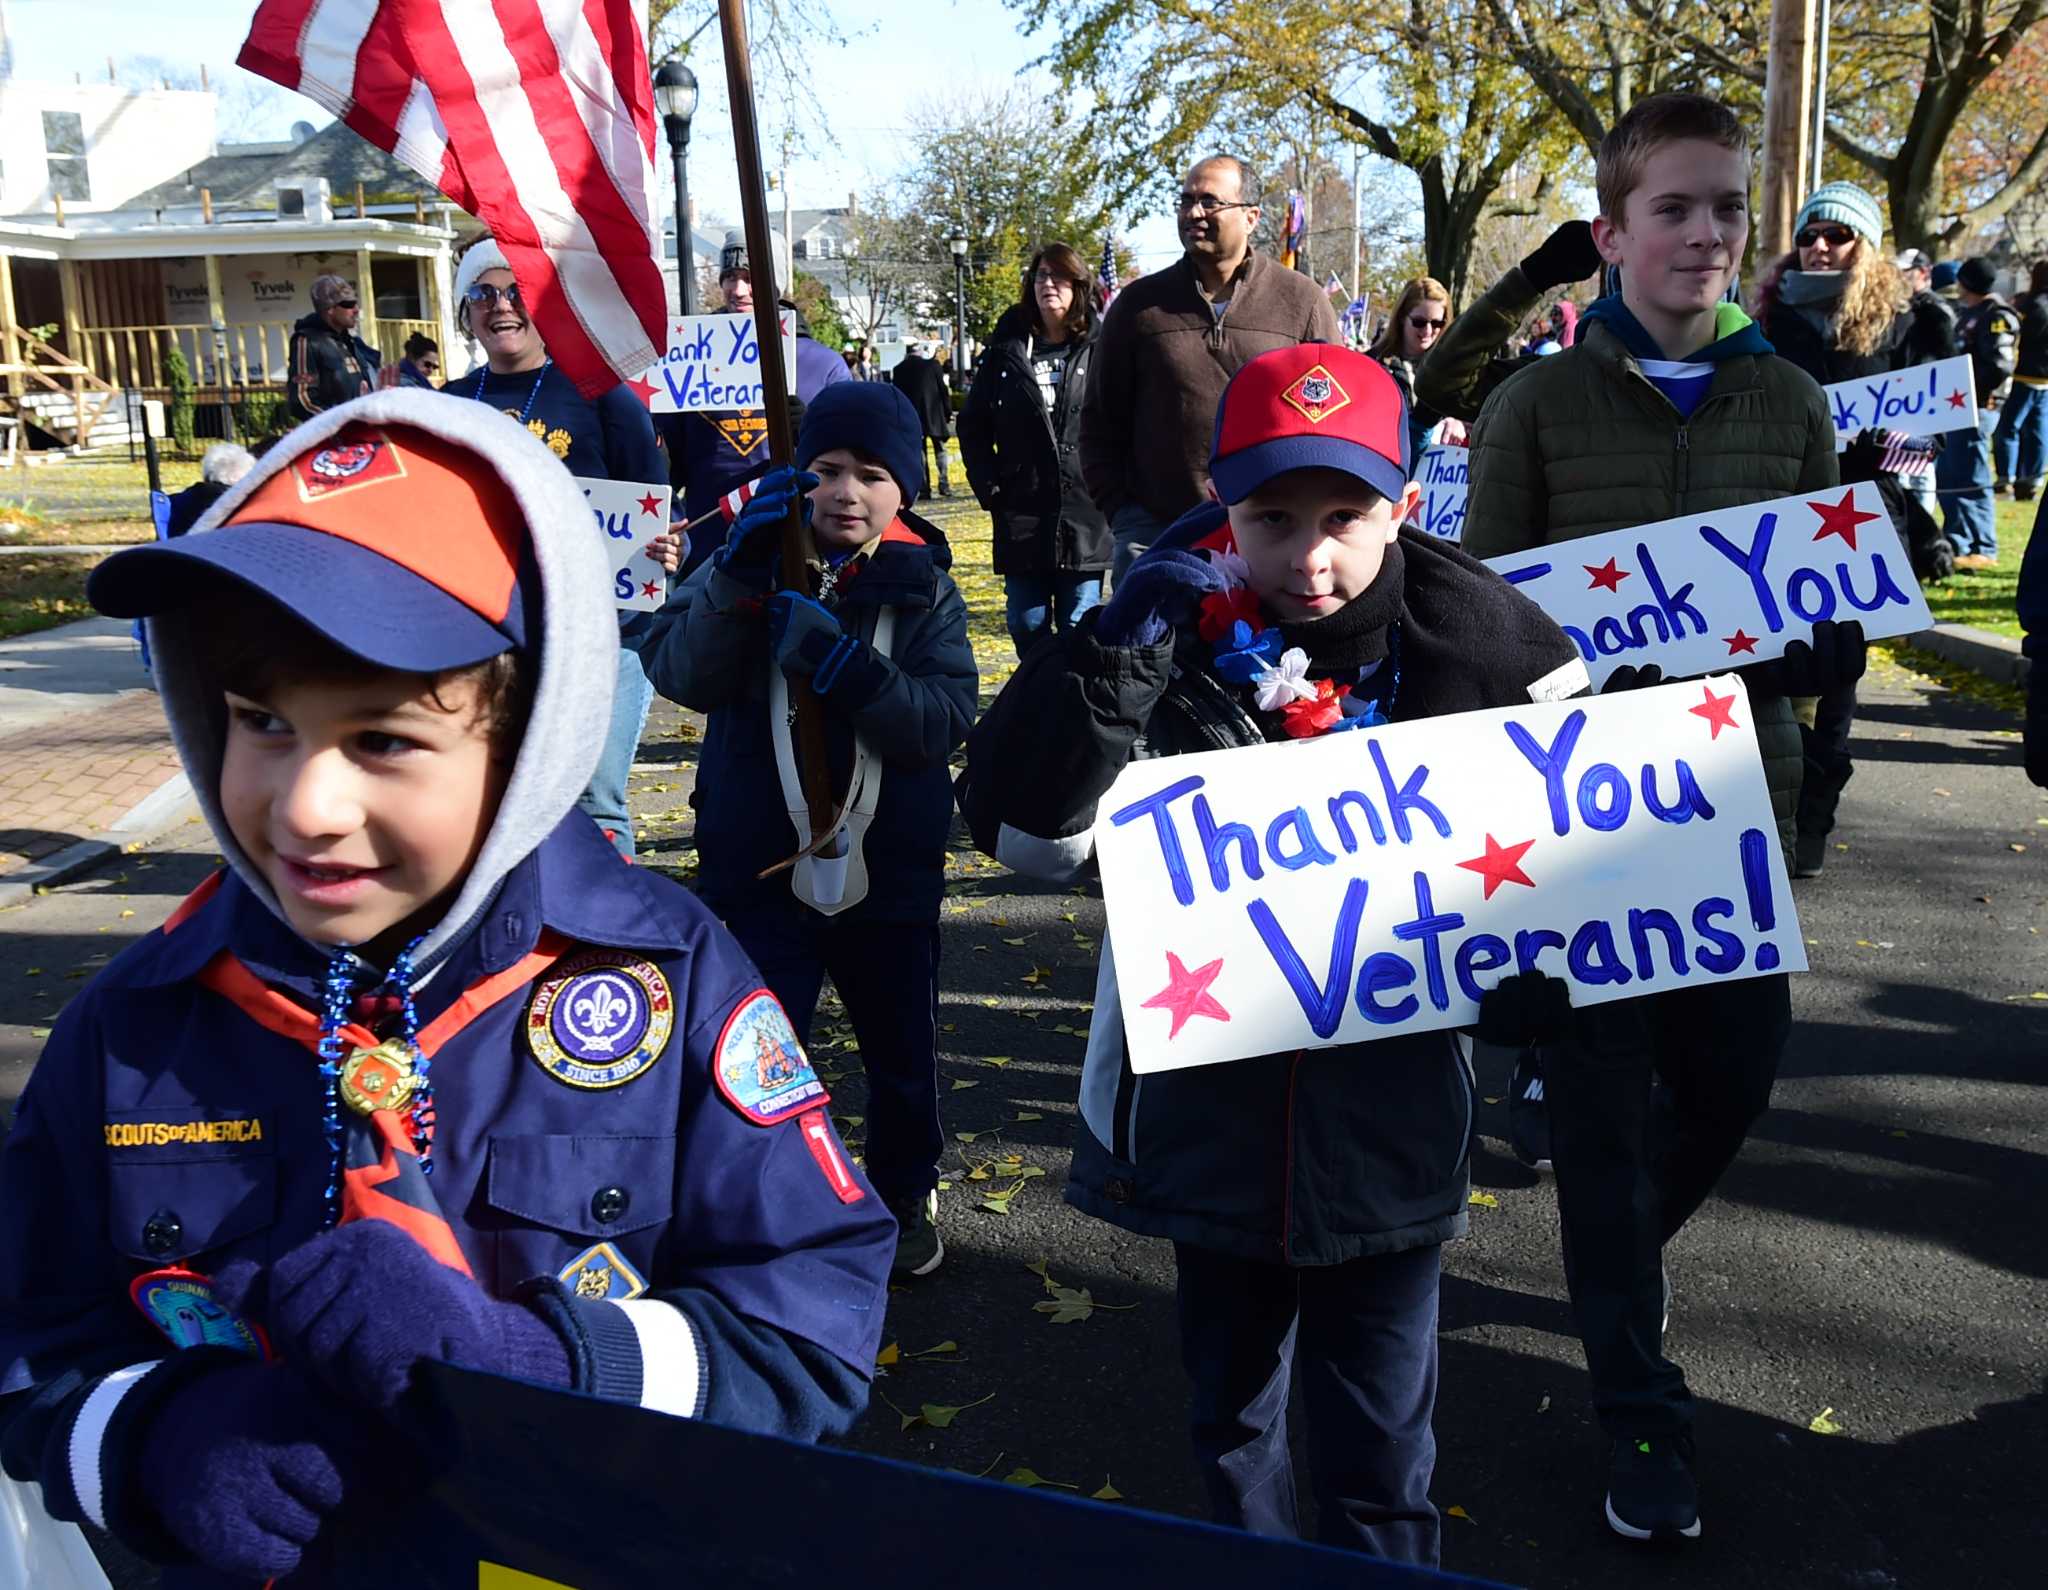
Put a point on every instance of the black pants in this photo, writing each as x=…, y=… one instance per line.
x=1365, y=1334
x=1624, y=1187
x=887, y=974
x=1827, y=765
x=938, y=452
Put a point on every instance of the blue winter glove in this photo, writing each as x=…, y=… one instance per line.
x=243, y=1467
x=751, y=545
x=1162, y=591
x=359, y=1306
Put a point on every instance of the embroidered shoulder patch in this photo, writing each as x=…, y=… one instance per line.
x=180, y=1303
x=602, y=1274
x=760, y=1067
x=599, y=1019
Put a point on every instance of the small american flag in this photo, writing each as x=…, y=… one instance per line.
x=1907, y=455
x=536, y=116
x=1105, y=280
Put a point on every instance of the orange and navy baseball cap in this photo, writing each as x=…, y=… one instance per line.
x=1316, y=405
x=399, y=546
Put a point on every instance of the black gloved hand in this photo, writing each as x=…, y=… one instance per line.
x=796, y=413
x=1835, y=658
x=2037, y=732
x=1630, y=677
x=1860, y=459
x=1567, y=255
x=1529, y=1007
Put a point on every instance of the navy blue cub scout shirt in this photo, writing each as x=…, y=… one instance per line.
x=629, y=1123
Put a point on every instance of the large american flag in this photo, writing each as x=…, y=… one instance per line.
x=536, y=116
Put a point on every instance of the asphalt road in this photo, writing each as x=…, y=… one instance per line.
x=1875, y=1257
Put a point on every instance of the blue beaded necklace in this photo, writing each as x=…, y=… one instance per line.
x=531, y=397
x=337, y=999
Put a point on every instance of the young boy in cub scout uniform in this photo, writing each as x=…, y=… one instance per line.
x=423, y=1073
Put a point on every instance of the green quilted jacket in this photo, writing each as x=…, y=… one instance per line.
x=1582, y=442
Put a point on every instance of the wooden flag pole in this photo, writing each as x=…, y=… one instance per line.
x=798, y=554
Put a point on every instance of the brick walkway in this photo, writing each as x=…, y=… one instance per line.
x=69, y=778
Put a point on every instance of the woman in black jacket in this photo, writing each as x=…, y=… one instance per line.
x=1020, y=435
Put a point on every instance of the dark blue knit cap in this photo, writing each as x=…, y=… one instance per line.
x=868, y=417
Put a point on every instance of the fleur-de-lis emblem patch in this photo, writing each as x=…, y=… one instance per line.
x=599, y=1019
x=1316, y=394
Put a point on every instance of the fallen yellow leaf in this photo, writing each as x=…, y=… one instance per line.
x=1823, y=1425
x=1459, y=1512
x=887, y=1356
x=1484, y=1200
x=1108, y=1493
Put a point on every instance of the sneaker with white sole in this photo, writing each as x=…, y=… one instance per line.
x=918, y=1248
x=1651, y=1493
x=1528, y=1117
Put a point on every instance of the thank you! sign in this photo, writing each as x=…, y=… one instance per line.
x=1717, y=590
x=714, y=363
x=1442, y=473
x=1924, y=400
x=628, y=514
x=1341, y=889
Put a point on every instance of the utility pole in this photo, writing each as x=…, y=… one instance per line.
x=1788, y=123
x=1820, y=90
x=1357, y=220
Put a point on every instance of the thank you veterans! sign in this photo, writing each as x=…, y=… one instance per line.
x=1442, y=473
x=1716, y=590
x=1924, y=400
x=628, y=514
x=1336, y=890
x=714, y=362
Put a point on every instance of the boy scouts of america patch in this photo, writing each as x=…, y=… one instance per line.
x=602, y=1274
x=1317, y=394
x=599, y=1019
x=760, y=1067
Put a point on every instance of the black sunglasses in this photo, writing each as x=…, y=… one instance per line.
x=1835, y=236
x=1423, y=322
x=346, y=303
x=488, y=294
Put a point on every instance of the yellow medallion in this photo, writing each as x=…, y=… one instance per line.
x=382, y=1078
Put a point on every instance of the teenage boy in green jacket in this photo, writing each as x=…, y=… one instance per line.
x=1670, y=402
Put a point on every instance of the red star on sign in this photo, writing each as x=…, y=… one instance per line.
x=1501, y=864
x=1187, y=993
x=642, y=389
x=1955, y=399
x=1607, y=577
x=1717, y=710
x=650, y=503
x=1740, y=641
x=1840, y=518
x=649, y=589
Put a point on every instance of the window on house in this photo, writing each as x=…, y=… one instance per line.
x=64, y=150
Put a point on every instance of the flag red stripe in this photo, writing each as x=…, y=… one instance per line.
x=272, y=48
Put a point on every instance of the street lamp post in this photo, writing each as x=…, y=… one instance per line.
x=220, y=371
x=675, y=96
x=959, y=244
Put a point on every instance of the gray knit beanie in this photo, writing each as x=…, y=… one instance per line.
x=1847, y=205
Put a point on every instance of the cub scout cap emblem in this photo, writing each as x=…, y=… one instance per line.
x=600, y=1019
x=1317, y=395
x=382, y=1078
x=181, y=1304
x=347, y=463
x=760, y=1067
x=601, y=1274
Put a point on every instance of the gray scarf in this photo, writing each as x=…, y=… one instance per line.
x=1816, y=296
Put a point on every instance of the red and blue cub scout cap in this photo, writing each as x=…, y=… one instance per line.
x=400, y=547
x=1313, y=406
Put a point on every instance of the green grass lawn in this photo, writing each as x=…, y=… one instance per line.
x=83, y=502
x=1985, y=599
x=39, y=592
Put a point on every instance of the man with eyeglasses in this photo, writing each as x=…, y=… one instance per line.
x=1170, y=343
x=329, y=363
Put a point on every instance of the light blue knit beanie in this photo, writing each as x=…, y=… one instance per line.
x=1847, y=205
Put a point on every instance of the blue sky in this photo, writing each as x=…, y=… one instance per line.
x=896, y=51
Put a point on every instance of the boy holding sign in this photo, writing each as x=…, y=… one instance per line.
x=1671, y=402
x=1307, y=1193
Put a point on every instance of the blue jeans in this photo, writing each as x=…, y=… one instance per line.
x=1038, y=602
x=1134, y=530
x=605, y=799
x=1962, y=479
x=2020, y=444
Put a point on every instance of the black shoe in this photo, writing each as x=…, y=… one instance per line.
x=918, y=1248
x=1528, y=1117
x=1650, y=1490
x=1809, y=855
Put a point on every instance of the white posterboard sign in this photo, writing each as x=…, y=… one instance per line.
x=1442, y=474
x=628, y=514
x=713, y=364
x=1717, y=590
x=1378, y=881
x=1924, y=400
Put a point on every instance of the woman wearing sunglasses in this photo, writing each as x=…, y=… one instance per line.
x=1419, y=318
x=1837, y=307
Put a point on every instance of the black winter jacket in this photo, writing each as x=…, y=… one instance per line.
x=327, y=367
x=1990, y=334
x=1024, y=464
x=2033, y=355
x=924, y=383
x=1305, y=1158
